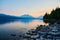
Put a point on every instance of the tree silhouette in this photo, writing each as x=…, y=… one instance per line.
x=53, y=16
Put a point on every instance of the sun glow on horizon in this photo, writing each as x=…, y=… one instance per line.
x=32, y=7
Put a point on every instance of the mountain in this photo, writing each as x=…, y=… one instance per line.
x=26, y=16
x=7, y=17
x=40, y=17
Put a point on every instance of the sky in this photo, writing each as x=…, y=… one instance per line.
x=32, y=7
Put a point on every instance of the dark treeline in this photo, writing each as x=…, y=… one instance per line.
x=53, y=17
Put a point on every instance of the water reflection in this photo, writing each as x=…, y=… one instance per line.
x=21, y=20
x=17, y=27
x=6, y=21
x=26, y=20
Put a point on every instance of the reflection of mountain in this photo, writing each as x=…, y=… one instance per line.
x=24, y=18
x=7, y=18
x=6, y=21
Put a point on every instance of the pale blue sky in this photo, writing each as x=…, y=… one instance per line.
x=32, y=7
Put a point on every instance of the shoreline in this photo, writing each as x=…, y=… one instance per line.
x=43, y=32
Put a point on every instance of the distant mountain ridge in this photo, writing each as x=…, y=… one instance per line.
x=40, y=17
x=25, y=16
x=4, y=16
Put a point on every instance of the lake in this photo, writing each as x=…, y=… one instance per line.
x=18, y=27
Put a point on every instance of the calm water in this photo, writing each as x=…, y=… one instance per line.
x=17, y=27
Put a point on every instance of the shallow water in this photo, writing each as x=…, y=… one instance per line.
x=17, y=27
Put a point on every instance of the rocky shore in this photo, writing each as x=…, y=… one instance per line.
x=42, y=32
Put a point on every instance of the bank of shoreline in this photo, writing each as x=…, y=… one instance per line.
x=44, y=32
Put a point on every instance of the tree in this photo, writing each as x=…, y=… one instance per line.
x=53, y=16
x=46, y=17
